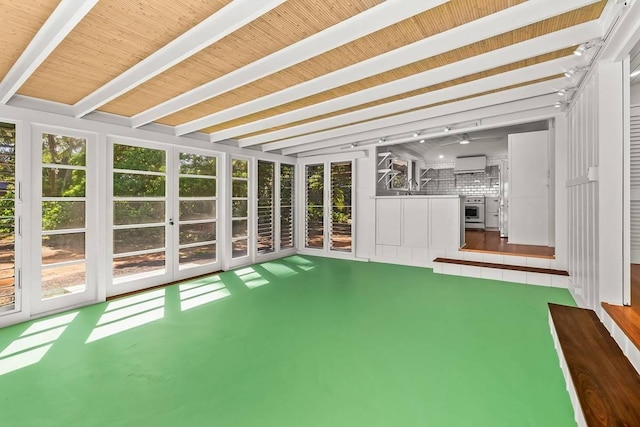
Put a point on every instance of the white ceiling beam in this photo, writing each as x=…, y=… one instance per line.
x=480, y=29
x=230, y=18
x=486, y=118
x=498, y=81
x=454, y=112
x=63, y=19
x=369, y=21
x=499, y=57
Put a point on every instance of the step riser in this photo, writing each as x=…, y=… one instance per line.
x=628, y=348
x=571, y=389
x=538, y=279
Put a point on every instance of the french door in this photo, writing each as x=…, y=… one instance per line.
x=164, y=214
x=64, y=192
x=328, y=213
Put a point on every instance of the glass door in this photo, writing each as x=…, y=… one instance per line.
x=66, y=203
x=196, y=234
x=240, y=212
x=9, y=297
x=140, y=220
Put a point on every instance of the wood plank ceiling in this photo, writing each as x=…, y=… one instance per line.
x=297, y=67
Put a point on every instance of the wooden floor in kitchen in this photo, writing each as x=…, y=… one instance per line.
x=491, y=242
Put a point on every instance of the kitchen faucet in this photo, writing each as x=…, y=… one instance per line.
x=411, y=183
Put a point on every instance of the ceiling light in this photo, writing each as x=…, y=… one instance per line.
x=465, y=139
x=447, y=129
x=566, y=90
x=569, y=73
x=354, y=145
x=558, y=104
x=562, y=92
x=422, y=141
x=381, y=140
x=415, y=134
x=441, y=156
x=580, y=50
x=635, y=73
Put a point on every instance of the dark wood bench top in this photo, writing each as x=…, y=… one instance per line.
x=502, y=266
x=607, y=385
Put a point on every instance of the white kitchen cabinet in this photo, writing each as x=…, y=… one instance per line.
x=388, y=224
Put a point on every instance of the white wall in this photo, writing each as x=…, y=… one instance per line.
x=635, y=94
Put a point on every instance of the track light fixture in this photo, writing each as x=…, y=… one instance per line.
x=447, y=129
x=561, y=104
x=416, y=134
x=582, y=49
x=571, y=72
x=381, y=140
x=422, y=141
x=354, y=145
x=465, y=139
x=566, y=90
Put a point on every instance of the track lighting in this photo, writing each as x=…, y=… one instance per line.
x=422, y=141
x=465, y=139
x=416, y=134
x=447, y=129
x=381, y=140
x=561, y=104
x=354, y=145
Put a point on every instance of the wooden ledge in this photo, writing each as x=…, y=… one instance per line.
x=628, y=319
x=502, y=266
x=607, y=385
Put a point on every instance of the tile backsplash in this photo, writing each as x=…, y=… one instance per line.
x=444, y=181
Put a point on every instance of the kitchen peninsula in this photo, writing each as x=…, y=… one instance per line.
x=415, y=229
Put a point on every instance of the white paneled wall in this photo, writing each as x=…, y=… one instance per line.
x=582, y=195
x=635, y=184
x=598, y=255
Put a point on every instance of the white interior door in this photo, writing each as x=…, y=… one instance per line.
x=529, y=188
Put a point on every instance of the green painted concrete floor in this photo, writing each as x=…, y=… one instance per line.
x=301, y=341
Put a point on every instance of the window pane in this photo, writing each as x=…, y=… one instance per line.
x=239, y=248
x=341, y=229
x=135, y=185
x=240, y=188
x=138, y=239
x=63, y=182
x=266, y=183
x=63, y=280
x=286, y=206
x=128, y=213
x=191, y=210
x=197, y=187
x=194, y=164
x=7, y=212
x=314, y=186
x=199, y=255
x=240, y=208
x=62, y=215
x=139, y=264
x=239, y=228
x=196, y=233
x=315, y=227
x=63, y=248
x=138, y=158
x=239, y=168
x=63, y=150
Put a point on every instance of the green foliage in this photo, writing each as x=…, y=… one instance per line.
x=7, y=177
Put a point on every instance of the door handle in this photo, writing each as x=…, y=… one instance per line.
x=170, y=221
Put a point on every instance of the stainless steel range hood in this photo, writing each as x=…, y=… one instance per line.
x=476, y=164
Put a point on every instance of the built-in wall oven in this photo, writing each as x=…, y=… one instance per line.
x=474, y=212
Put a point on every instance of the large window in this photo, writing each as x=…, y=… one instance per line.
x=198, y=210
x=287, y=213
x=314, y=196
x=266, y=185
x=139, y=211
x=340, y=219
x=239, y=208
x=64, y=205
x=7, y=217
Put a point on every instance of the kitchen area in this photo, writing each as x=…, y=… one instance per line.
x=482, y=169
